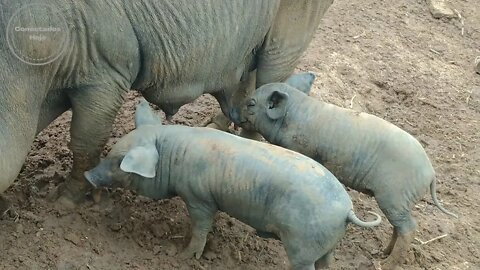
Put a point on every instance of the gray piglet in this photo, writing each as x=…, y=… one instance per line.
x=364, y=152
x=280, y=193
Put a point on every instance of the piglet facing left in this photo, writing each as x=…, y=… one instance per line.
x=278, y=192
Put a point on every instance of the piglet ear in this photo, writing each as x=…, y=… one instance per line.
x=142, y=161
x=144, y=115
x=277, y=105
x=302, y=81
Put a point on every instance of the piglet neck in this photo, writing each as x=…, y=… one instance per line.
x=152, y=188
x=286, y=124
x=274, y=134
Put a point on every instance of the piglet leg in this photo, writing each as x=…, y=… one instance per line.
x=325, y=261
x=393, y=240
x=202, y=219
x=398, y=252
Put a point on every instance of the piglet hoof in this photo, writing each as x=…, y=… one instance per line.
x=190, y=252
x=390, y=264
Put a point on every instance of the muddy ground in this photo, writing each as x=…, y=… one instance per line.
x=388, y=58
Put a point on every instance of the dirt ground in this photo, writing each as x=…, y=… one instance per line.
x=387, y=58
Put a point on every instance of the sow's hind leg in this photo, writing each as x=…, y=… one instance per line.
x=399, y=215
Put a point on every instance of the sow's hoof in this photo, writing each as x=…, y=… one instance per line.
x=189, y=253
x=390, y=264
x=4, y=206
x=252, y=135
x=220, y=122
x=6, y=210
x=68, y=195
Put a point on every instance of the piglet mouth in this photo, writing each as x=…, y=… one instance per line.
x=245, y=125
x=236, y=117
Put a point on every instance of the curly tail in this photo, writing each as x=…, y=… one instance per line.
x=367, y=224
x=433, y=192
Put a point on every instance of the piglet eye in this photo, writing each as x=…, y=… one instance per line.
x=252, y=102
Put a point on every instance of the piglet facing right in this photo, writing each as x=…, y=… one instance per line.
x=363, y=151
x=278, y=192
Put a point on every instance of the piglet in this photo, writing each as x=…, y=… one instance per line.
x=364, y=152
x=280, y=193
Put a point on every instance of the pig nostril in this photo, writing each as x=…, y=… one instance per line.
x=91, y=179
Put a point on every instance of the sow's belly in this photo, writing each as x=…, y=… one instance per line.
x=182, y=90
x=172, y=97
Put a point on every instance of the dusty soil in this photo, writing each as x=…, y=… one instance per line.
x=388, y=58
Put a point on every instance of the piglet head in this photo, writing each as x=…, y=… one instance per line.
x=103, y=174
x=118, y=171
x=266, y=107
x=269, y=104
x=135, y=156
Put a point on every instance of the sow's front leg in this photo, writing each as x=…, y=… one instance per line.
x=221, y=122
x=240, y=92
x=94, y=109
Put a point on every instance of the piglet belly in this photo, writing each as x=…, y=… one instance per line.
x=252, y=213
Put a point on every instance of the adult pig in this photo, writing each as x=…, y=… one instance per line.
x=278, y=192
x=364, y=152
x=172, y=51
